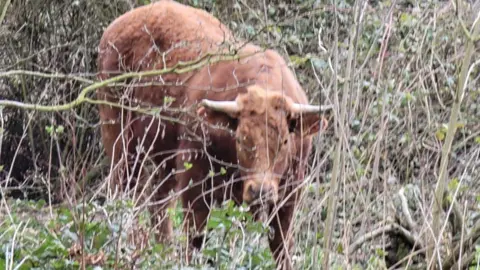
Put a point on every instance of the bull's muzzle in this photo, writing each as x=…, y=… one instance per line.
x=262, y=191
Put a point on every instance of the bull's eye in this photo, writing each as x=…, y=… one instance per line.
x=292, y=125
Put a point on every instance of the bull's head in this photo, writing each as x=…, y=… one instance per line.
x=268, y=126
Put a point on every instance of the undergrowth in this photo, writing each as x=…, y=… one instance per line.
x=55, y=212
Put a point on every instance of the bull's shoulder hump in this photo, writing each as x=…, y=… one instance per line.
x=164, y=18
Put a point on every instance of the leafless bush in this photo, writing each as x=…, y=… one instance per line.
x=406, y=59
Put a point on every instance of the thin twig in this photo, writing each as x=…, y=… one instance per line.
x=471, y=238
x=446, y=149
x=4, y=11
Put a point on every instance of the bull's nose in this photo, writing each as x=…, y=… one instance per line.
x=254, y=191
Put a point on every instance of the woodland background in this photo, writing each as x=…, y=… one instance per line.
x=403, y=77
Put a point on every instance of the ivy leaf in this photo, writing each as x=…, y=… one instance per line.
x=319, y=64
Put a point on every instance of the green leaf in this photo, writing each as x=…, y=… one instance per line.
x=407, y=20
x=298, y=60
x=380, y=252
x=453, y=184
x=40, y=203
x=209, y=252
x=59, y=129
x=49, y=129
x=168, y=100
x=319, y=64
x=271, y=10
x=213, y=223
x=250, y=30
x=187, y=165
x=440, y=134
x=223, y=171
x=340, y=248
x=407, y=98
x=460, y=125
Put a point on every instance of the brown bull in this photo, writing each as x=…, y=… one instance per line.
x=249, y=116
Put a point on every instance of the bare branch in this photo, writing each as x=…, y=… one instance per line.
x=452, y=127
x=179, y=68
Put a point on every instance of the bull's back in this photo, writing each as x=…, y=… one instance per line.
x=264, y=68
x=146, y=38
x=151, y=36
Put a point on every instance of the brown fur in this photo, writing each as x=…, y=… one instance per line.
x=265, y=148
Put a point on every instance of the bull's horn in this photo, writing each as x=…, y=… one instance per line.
x=306, y=108
x=223, y=106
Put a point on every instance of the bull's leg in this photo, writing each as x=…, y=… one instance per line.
x=159, y=199
x=162, y=224
x=160, y=202
x=195, y=220
x=196, y=203
x=196, y=199
x=150, y=188
x=130, y=178
x=282, y=241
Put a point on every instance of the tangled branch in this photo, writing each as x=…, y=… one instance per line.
x=179, y=68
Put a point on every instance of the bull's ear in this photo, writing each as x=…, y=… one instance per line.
x=307, y=124
x=201, y=112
